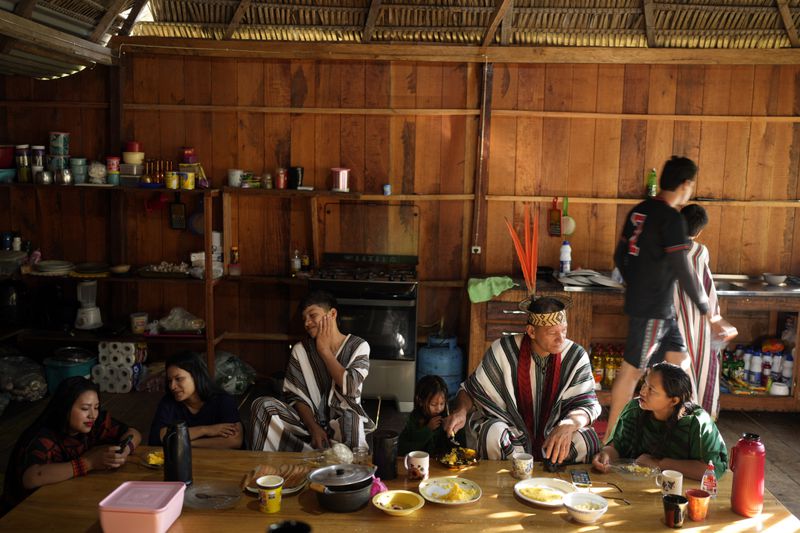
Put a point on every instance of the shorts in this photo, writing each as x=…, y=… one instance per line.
x=649, y=339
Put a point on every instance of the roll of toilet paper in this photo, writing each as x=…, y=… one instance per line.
x=115, y=358
x=111, y=372
x=112, y=386
x=99, y=372
x=124, y=373
x=102, y=348
x=105, y=358
x=104, y=384
x=127, y=348
x=127, y=359
x=124, y=387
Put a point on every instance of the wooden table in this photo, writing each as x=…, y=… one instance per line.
x=72, y=505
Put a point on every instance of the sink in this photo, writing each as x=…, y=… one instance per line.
x=727, y=286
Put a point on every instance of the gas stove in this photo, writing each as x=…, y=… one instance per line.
x=366, y=274
x=368, y=267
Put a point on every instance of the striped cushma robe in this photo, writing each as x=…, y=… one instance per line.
x=496, y=427
x=277, y=426
x=696, y=332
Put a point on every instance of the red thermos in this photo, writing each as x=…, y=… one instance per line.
x=747, y=464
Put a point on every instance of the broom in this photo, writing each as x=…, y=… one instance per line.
x=527, y=251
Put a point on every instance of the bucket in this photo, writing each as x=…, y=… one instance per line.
x=443, y=358
x=65, y=365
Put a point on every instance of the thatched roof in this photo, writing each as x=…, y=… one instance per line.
x=693, y=24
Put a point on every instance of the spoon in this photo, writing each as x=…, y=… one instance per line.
x=452, y=436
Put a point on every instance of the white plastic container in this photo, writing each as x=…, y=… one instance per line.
x=142, y=507
x=565, y=258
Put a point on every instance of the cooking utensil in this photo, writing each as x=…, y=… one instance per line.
x=342, y=488
x=452, y=436
x=341, y=501
x=567, y=222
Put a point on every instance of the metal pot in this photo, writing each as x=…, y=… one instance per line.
x=44, y=177
x=63, y=177
x=342, y=488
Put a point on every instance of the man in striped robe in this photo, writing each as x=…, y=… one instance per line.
x=322, y=388
x=696, y=331
x=531, y=393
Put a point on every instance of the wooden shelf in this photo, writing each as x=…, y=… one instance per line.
x=84, y=336
x=241, y=336
x=634, y=201
x=125, y=279
x=266, y=280
x=114, y=188
x=366, y=197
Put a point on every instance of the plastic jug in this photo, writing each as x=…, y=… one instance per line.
x=178, y=453
x=565, y=257
x=747, y=464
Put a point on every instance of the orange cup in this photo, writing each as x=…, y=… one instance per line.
x=698, y=504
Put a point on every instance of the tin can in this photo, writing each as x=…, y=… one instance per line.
x=171, y=180
x=387, y=189
x=112, y=163
x=187, y=180
x=281, y=178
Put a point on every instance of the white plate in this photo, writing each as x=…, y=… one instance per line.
x=607, y=282
x=435, y=488
x=576, y=280
x=558, y=485
x=584, y=272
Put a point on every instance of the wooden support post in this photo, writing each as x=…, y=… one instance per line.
x=236, y=18
x=497, y=17
x=479, y=207
x=372, y=18
x=208, y=284
x=650, y=23
x=788, y=23
x=108, y=19
x=127, y=26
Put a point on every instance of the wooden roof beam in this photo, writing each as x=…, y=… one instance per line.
x=107, y=20
x=127, y=26
x=236, y=19
x=507, y=27
x=31, y=32
x=497, y=17
x=788, y=23
x=372, y=19
x=650, y=22
x=23, y=9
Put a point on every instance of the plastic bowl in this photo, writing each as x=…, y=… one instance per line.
x=133, y=158
x=774, y=279
x=398, y=502
x=779, y=389
x=120, y=269
x=574, y=500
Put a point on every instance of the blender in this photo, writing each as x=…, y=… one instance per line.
x=88, y=316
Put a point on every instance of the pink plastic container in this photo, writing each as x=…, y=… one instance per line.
x=142, y=507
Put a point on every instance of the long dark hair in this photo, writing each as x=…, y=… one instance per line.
x=676, y=384
x=192, y=363
x=427, y=387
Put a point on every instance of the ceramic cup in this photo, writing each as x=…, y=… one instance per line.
x=234, y=177
x=674, y=510
x=698, y=504
x=138, y=323
x=521, y=465
x=269, y=493
x=670, y=481
x=418, y=465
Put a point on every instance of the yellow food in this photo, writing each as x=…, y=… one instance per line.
x=636, y=469
x=459, y=456
x=588, y=506
x=155, y=458
x=542, y=494
x=457, y=494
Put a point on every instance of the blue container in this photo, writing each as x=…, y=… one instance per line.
x=57, y=369
x=443, y=358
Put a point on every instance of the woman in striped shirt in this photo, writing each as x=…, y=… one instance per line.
x=663, y=428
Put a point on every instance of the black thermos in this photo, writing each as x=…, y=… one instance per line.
x=295, y=177
x=178, y=453
x=385, y=455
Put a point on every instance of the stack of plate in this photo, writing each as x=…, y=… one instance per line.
x=586, y=278
x=53, y=268
x=90, y=270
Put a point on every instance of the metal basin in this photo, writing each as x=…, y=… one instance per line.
x=726, y=286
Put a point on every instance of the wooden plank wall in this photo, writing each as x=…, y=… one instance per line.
x=220, y=106
x=608, y=157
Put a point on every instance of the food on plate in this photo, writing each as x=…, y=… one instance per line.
x=155, y=458
x=542, y=494
x=458, y=494
x=636, y=469
x=293, y=475
x=457, y=457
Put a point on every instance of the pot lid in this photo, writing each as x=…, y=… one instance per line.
x=341, y=475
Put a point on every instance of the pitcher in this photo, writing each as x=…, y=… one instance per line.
x=178, y=453
x=747, y=464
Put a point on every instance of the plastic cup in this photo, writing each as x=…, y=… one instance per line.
x=138, y=322
x=698, y=504
x=674, y=510
x=269, y=493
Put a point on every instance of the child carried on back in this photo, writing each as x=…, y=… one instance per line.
x=424, y=429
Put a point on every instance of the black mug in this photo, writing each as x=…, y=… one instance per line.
x=385, y=455
x=289, y=526
x=295, y=177
x=674, y=510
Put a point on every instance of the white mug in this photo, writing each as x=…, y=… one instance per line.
x=417, y=464
x=234, y=177
x=521, y=465
x=671, y=482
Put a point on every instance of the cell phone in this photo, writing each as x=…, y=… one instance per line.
x=580, y=478
x=124, y=443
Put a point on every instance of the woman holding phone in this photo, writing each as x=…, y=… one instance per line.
x=72, y=437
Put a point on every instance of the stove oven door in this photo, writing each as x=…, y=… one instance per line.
x=389, y=326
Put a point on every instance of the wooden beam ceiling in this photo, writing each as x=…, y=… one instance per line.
x=497, y=17
x=23, y=9
x=107, y=20
x=28, y=31
x=650, y=22
x=467, y=54
x=236, y=19
x=788, y=23
x=127, y=26
x=372, y=18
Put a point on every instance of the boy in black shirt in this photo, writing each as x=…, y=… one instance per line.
x=651, y=255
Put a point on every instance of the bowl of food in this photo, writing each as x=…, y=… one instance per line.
x=154, y=459
x=585, y=507
x=458, y=458
x=120, y=269
x=398, y=502
x=774, y=279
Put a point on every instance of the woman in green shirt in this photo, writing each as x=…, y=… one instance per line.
x=663, y=428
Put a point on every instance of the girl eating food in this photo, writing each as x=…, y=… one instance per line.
x=424, y=431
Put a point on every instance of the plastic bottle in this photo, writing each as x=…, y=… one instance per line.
x=652, y=183
x=755, y=369
x=777, y=363
x=295, y=264
x=787, y=370
x=748, y=355
x=747, y=464
x=709, y=482
x=566, y=259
